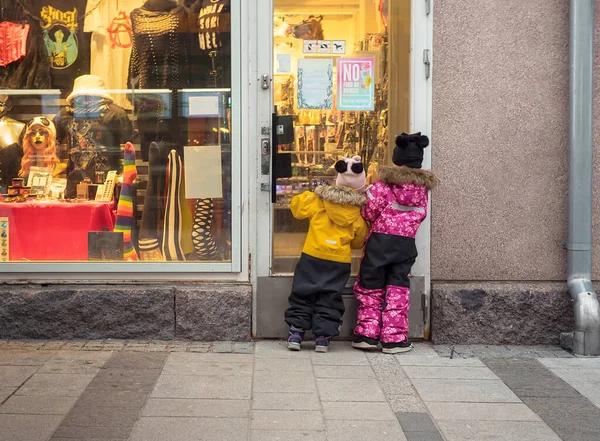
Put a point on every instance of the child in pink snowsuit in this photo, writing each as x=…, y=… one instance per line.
x=396, y=205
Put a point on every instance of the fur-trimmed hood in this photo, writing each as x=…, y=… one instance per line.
x=405, y=175
x=342, y=204
x=341, y=195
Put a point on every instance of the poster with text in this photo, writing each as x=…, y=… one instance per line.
x=355, y=85
x=315, y=83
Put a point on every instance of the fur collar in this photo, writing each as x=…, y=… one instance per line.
x=406, y=175
x=341, y=195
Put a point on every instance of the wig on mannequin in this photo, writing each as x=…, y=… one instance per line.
x=50, y=160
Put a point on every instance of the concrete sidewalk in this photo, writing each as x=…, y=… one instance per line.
x=166, y=391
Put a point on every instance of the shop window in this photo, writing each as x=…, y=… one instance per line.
x=116, y=131
x=342, y=72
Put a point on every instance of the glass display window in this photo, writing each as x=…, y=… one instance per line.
x=119, y=134
x=342, y=72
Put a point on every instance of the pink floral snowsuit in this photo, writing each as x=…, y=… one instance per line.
x=396, y=206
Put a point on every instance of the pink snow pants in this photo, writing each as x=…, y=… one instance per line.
x=383, y=288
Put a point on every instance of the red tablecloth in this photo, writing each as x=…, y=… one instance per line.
x=52, y=230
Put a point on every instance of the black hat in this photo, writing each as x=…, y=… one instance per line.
x=409, y=150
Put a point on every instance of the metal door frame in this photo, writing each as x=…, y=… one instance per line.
x=270, y=292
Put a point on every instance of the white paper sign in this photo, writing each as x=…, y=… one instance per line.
x=339, y=47
x=207, y=105
x=284, y=63
x=310, y=47
x=203, y=172
x=315, y=83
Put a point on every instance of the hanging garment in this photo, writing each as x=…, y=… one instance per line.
x=204, y=244
x=211, y=51
x=32, y=71
x=153, y=211
x=171, y=241
x=112, y=39
x=124, y=221
x=13, y=42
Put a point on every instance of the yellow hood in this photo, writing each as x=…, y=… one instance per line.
x=336, y=225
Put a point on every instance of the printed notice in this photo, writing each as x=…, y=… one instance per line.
x=204, y=105
x=315, y=83
x=203, y=173
x=355, y=85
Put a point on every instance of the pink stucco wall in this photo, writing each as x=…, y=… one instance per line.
x=500, y=140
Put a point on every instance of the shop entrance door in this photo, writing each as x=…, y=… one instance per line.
x=311, y=114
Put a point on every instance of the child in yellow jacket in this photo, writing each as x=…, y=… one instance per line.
x=336, y=227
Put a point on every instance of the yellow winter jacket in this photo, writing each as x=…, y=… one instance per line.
x=336, y=225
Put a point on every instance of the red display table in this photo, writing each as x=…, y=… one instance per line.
x=53, y=230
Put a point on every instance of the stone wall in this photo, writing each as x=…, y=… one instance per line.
x=203, y=312
x=500, y=313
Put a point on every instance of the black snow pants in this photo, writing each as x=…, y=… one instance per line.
x=316, y=299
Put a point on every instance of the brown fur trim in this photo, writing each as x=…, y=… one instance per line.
x=341, y=195
x=407, y=175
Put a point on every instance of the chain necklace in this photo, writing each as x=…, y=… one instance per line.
x=41, y=20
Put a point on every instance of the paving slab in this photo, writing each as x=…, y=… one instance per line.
x=93, y=416
x=278, y=349
x=173, y=367
x=52, y=345
x=198, y=387
x=497, y=431
x=434, y=360
x=69, y=362
x=353, y=411
x=113, y=398
x=577, y=375
x=482, y=412
x=577, y=362
x=24, y=358
x=38, y=405
x=344, y=372
x=479, y=391
x=457, y=373
x=349, y=390
x=88, y=433
x=28, y=427
x=573, y=419
x=190, y=429
x=283, y=364
x=14, y=376
x=282, y=382
x=416, y=422
x=6, y=392
x=287, y=420
x=136, y=360
x=345, y=358
x=406, y=403
x=141, y=380
x=423, y=436
x=287, y=435
x=158, y=407
x=188, y=357
x=88, y=439
x=285, y=401
x=339, y=430
x=55, y=385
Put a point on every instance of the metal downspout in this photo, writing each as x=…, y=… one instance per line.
x=586, y=338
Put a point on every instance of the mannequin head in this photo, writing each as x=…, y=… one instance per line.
x=4, y=106
x=39, y=145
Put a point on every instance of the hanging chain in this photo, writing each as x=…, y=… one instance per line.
x=41, y=20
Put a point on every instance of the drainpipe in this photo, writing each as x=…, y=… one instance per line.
x=586, y=337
